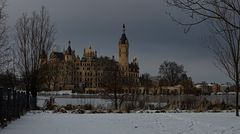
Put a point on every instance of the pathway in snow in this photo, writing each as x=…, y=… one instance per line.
x=161, y=123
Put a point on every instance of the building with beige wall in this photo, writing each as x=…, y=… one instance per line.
x=70, y=71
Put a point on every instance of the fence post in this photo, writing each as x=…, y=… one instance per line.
x=21, y=104
x=18, y=104
x=3, y=109
x=9, y=111
x=14, y=105
x=24, y=102
x=1, y=106
x=4, y=106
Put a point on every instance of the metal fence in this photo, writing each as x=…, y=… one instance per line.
x=12, y=105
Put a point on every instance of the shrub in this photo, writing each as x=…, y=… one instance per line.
x=69, y=107
x=88, y=107
x=109, y=110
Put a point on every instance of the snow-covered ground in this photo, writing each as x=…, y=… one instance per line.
x=135, y=123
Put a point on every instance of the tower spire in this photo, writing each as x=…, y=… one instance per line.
x=69, y=49
x=123, y=38
x=124, y=28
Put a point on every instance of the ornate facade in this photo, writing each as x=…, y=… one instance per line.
x=70, y=71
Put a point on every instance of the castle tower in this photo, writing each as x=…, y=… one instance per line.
x=69, y=53
x=123, y=50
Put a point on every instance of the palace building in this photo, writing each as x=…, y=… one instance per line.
x=68, y=71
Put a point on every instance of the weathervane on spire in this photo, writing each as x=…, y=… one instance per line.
x=124, y=29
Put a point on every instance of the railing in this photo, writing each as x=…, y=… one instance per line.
x=12, y=105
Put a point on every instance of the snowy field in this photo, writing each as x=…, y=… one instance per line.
x=135, y=123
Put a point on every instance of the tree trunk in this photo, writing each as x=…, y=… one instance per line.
x=34, y=91
x=237, y=96
x=115, y=99
x=237, y=87
x=34, y=99
x=27, y=100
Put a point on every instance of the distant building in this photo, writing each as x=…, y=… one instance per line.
x=203, y=88
x=177, y=89
x=215, y=87
x=73, y=71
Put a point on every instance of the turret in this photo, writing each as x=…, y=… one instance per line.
x=89, y=53
x=123, y=49
x=69, y=53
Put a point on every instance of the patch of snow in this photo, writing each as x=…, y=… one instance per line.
x=62, y=92
x=134, y=123
x=97, y=102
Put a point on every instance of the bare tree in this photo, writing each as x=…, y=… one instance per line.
x=34, y=34
x=111, y=82
x=54, y=75
x=224, y=19
x=133, y=90
x=4, y=46
x=187, y=84
x=50, y=75
x=67, y=74
x=146, y=83
x=171, y=73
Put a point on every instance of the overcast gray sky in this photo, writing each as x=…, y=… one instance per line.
x=152, y=35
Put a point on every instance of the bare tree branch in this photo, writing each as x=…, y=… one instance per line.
x=5, y=49
x=35, y=34
x=224, y=19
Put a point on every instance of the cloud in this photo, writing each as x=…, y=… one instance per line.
x=153, y=36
